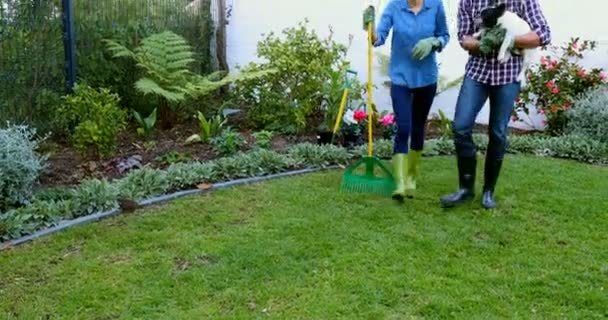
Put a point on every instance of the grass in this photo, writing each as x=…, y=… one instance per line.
x=297, y=249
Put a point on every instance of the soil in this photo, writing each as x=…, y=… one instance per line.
x=67, y=167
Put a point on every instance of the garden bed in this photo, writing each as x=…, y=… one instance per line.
x=67, y=167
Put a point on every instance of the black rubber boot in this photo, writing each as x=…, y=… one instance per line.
x=466, y=179
x=491, y=173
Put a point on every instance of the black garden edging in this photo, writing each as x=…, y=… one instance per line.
x=153, y=201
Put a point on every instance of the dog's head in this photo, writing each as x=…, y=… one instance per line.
x=491, y=14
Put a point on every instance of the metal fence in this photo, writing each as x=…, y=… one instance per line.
x=32, y=52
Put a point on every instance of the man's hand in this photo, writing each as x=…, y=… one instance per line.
x=470, y=44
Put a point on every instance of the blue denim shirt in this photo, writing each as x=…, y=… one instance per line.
x=408, y=28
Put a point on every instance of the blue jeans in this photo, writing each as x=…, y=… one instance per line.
x=411, y=108
x=472, y=97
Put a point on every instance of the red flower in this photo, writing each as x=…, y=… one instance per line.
x=550, y=84
x=555, y=90
x=360, y=115
x=567, y=104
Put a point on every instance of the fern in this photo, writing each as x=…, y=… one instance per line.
x=165, y=59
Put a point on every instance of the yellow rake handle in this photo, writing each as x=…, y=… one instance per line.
x=370, y=137
x=341, y=111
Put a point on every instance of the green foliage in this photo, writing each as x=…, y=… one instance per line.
x=165, y=59
x=444, y=124
x=93, y=196
x=93, y=119
x=20, y=165
x=590, y=117
x=143, y=183
x=289, y=100
x=555, y=84
x=147, y=124
x=319, y=155
x=491, y=39
x=174, y=157
x=228, y=143
x=187, y=175
x=263, y=139
x=209, y=129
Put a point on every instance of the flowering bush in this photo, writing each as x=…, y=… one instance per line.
x=389, y=126
x=555, y=83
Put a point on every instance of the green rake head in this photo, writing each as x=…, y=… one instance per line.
x=368, y=175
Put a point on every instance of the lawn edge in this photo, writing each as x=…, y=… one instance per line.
x=98, y=216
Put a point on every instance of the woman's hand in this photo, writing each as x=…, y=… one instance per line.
x=470, y=44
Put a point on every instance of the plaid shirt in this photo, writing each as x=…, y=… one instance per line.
x=486, y=69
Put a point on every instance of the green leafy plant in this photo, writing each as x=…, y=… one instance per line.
x=93, y=196
x=290, y=100
x=590, y=117
x=209, y=128
x=93, y=119
x=143, y=183
x=228, y=143
x=186, y=175
x=20, y=165
x=147, y=124
x=263, y=139
x=554, y=85
x=174, y=157
x=319, y=155
x=166, y=60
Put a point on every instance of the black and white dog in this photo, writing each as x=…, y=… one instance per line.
x=514, y=26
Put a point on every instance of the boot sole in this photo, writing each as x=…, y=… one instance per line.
x=447, y=205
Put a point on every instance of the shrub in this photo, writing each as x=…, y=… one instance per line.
x=288, y=100
x=20, y=165
x=590, y=117
x=265, y=162
x=93, y=196
x=555, y=84
x=143, y=183
x=228, y=143
x=263, y=139
x=92, y=118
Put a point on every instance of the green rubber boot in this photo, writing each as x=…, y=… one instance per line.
x=412, y=172
x=399, y=169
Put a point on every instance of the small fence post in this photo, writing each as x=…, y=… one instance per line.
x=69, y=44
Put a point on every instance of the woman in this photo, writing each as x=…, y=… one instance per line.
x=419, y=30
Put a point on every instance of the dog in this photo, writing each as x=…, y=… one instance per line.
x=498, y=15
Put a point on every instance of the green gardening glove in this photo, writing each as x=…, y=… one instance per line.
x=369, y=16
x=424, y=47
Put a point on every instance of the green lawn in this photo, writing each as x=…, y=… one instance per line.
x=297, y=249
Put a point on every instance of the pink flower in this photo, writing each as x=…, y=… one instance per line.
x=582, y=73
x=574, y=45
x=603, y=76
x=550, y=84
x=551, y=67
x=541, y=111
x=555, y=90
x=388, y=119
x=360, y=115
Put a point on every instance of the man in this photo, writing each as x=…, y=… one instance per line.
x=486, y=78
